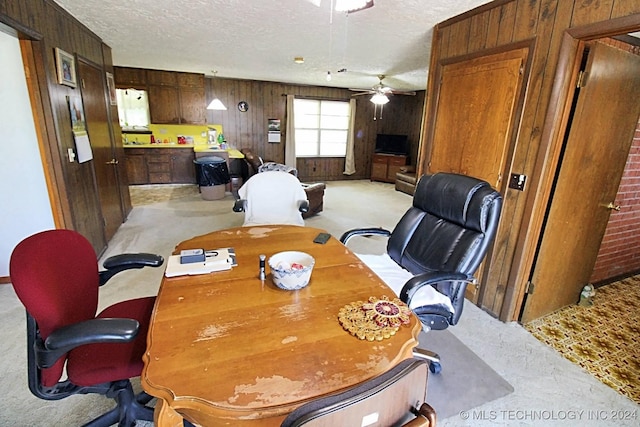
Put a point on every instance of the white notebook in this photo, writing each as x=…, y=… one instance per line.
x=215, y=260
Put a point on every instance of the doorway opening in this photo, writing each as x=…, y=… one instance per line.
x=579, y=331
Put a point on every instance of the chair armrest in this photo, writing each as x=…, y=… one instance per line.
x=101, y=330
x=303, y=206
x=407, y=169
x=239, y=205
x=416, y=282
x=118, y=263
x=363, y=232
x=425, y=417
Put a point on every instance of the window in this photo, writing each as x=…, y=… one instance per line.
x=321, y=127
x=133, y=108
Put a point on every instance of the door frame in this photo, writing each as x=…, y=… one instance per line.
x=34, y=58
x=547, y=161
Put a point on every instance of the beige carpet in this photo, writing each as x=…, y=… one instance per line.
x=542, y=379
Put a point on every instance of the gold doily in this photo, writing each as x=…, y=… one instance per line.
x=375, y=319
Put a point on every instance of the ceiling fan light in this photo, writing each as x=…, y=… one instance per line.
x=379, y=99
x=216, y=104
x=352, y=5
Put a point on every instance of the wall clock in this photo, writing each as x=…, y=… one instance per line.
x=243, y=106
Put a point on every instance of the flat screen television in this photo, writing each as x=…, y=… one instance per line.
x=392, y=144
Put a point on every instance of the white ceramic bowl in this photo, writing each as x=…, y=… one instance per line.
x=288, y=278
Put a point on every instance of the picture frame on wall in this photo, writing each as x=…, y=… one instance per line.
x=273, y=127
x=111, y=86
x=66, y=66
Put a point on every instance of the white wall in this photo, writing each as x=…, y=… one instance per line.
x=24, y=202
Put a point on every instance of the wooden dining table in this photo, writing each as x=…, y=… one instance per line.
x=228, y=349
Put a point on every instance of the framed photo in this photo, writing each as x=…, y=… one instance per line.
x=111, y=87
x=273, y=135
x=76, y=111
x=66, y=68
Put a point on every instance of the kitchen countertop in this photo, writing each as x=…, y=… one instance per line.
x=199, y=148
x=190, y=146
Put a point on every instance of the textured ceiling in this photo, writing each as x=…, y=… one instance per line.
x=258, y=39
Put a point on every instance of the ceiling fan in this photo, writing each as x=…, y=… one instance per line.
x=380, y=93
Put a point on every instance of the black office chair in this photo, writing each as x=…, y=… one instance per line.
x=395, y=398
x=440, y=241
x=55, y=275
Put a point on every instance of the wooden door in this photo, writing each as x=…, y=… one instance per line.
x=476, y=111
x=105, y=165
x=597, y=146
x=475, y=126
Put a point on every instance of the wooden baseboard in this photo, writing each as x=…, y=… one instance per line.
x=615, y=279
x=5, y=280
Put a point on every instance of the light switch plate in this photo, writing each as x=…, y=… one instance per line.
x=517, y=181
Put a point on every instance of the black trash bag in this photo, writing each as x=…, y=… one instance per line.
x=211, y=171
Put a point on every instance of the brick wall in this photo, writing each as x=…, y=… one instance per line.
x=619, y=254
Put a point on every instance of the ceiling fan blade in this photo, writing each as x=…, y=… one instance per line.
x=362, y=93
x=402, y=92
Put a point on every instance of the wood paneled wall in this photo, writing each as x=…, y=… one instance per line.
x=402, y=115
x=500, y=24
x=45, y=25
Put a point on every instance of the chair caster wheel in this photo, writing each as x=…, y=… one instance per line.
x=435, y=367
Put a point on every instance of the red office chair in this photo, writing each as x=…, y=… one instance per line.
x=55, y=275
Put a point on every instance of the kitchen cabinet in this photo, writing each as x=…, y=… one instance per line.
x=136, y=166
x=162, y=78
x=164, y=104
x=160, y=166
x=190, y=80
x=126, y=78
x=192, y=105
x=192, y=98
x=176, y=98
x=183, y=170
x=385, y=166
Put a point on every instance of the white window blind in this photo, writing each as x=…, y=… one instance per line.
x=133, y=108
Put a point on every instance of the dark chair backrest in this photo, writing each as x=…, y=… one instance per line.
x=449, y=228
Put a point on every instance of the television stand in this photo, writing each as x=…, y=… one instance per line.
x=385, y=166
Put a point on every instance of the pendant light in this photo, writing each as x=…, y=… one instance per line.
x=216, y=104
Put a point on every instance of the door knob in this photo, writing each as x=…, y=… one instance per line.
x=112, y=162
x=612, y=206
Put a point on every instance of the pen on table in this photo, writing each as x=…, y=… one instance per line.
x=262, y=274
